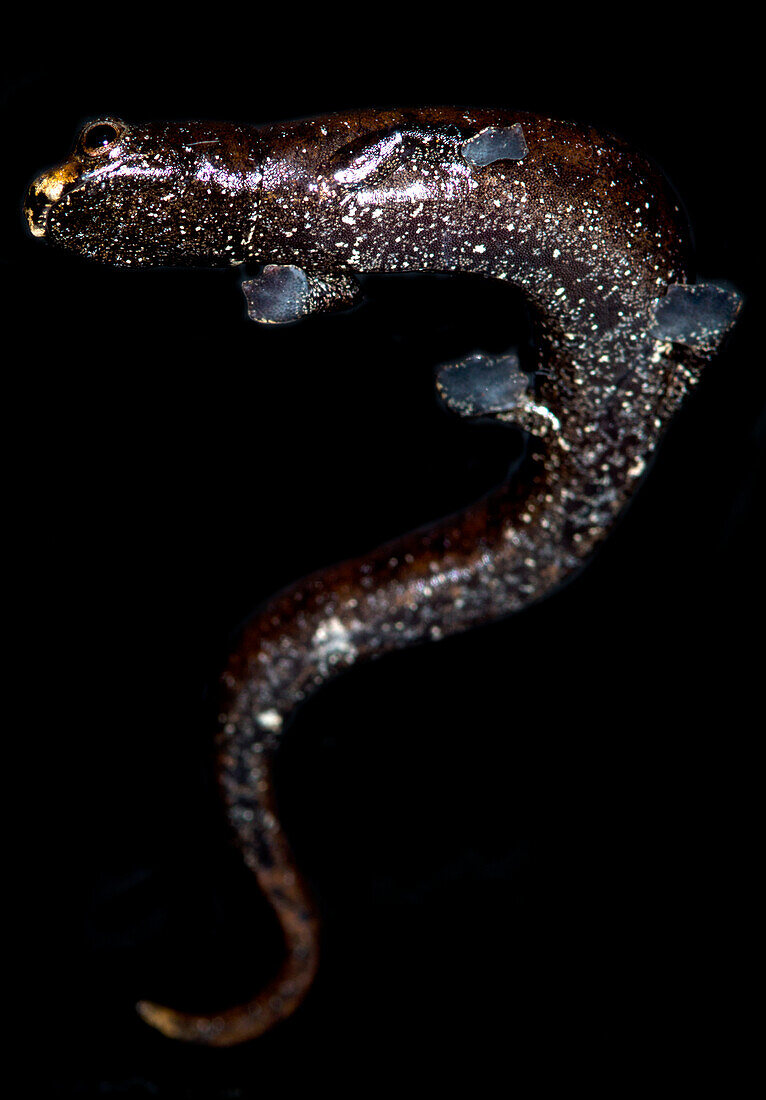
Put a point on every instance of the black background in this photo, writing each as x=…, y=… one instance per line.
x=532, y=845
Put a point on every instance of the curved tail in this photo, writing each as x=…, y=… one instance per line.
x=269, y=857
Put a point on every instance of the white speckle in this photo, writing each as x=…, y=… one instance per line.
x=331, y=641
x=269, y=720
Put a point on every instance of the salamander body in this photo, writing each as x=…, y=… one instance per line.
x=592, y=235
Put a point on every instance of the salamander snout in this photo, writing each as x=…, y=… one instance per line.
x=44, y=191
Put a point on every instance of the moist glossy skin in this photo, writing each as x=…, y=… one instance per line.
x=592, y=235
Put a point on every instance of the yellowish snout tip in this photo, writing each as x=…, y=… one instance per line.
x=43, y=193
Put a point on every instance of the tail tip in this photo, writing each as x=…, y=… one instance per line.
x=178, y=1025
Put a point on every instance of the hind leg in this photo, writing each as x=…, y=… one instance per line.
x=494, y=386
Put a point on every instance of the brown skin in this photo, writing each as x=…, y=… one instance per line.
x=585, y=227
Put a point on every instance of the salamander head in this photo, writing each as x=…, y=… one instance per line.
x=152, y=193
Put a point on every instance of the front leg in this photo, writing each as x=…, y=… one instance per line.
x=282, y=294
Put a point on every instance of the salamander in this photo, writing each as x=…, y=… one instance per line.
x=592, y=235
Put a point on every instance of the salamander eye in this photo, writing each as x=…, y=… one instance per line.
x=99, y=136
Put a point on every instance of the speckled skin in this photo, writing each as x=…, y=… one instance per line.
x=592, y=235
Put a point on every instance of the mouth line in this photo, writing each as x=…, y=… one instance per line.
x=39, y=204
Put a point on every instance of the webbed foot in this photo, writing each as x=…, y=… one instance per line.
x=493, y=385
x=696, y=314
x=282, y=294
